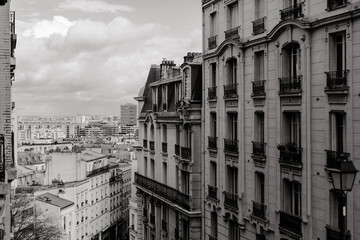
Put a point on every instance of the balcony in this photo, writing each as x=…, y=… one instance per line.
x=336, y=80
x=333, y=158
x=212, y=192
x=259, y=26
x=186, y=153
x=335, y=4
x=258, y=88
x=332, y=233
x=230, y=91
x=177, y=149
x=290, y=153
x=164, y=225
x=259, y=149
x=231, y=146
x=211, y=93
x=232, y=33
x=231, y=200
x=212, y=42
x=290, y=223
x=212, y=143
x=292, y=12
x=290, y=85
x=259, y=210
x=171, y=194
x=98, y=171
x=164, y=147
x=152, y=145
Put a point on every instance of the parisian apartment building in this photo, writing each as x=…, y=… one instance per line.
x=7, y=68
x=281, y=106
x=128, y=114
x=168, y=177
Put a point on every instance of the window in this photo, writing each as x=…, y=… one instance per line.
x=291, y=60
x=177, y=92
x=259, y=9
x=231, y=66
x=185, y=229
x=233, y=14
x=177, y=177
x=214, y=224
x=292, y=197
x=259, y=66
x=164, y=180
x=335, y=209
x=213, y=130
x=185, y=182
x=187, y=136
x=213, y=174
x=232, y=180
x=164, y=133
x=290, y=3
x=292, y=128
x=152, y=168
x=337, y=131
x=213, y=74
x=213, y=24
x=234, y=229
x=154, y=99
x=259, y=187
x=232, y=126
x=259, y=127
x=145, y=166
x=164, y=97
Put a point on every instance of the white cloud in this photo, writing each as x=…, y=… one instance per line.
x=94, y=6
x=45, y=28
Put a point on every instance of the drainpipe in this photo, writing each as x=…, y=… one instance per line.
x=203, y=132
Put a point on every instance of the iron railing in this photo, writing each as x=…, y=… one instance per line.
x=290, y=222
x=171, y=194
x=231, y=146
x=230, y=91
x=258, y=88
x=212, y=143
x=333, y=158
x=231, y=200
x=145, y=145
x=259, y=210
x=292, y=12
x=290, y=85
x=290, y=153
x=336, y=80
x=186, y=153
x=212, y=42
x=212, y=192
x=164, y=147
x=152, y=145
x=335, y=4
x=259, y=149
x=232, y=33
x=333, y=233
x=212, y=93
x=177, y=149
x=259, y=26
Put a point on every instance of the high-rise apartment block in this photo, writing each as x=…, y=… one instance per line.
x=169, y=164
x=281, y=107
x=7, y=67
x=128, y=114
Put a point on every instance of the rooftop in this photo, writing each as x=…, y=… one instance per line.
x=54, y=200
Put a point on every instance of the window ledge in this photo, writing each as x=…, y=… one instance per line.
x=212, y=99
x=337, y=91
x=231, y=98
x=258, y=96
x=297, y=93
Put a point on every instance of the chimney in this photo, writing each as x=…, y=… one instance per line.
x=189, y=57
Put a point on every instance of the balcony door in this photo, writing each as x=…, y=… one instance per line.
x=291, y=60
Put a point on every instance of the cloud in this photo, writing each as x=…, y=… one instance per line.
x=45, y=28
x=94, y=6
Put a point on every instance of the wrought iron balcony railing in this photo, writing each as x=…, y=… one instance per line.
x=186, y=153
x=171, y=194
x=164, y=147
x=152, y=145
x=259, y=210
x=259, y=26
x=290, y=222
x=289, y=85
x=145, y=143
x=231, y=200
x=212, y=42
x=335, y=4
x=177, y=149
x=231, y=146
x=336, y=80
x=258, y=88
x=212, y=143
x=232, y=33
x=290, y=153
x=230, y=91
x=212, y=93
x=292, y=12
x=333, y=158
x=259, y=149
x=212, y=192
x=333, y=233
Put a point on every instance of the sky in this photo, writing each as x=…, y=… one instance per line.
x=90, y=56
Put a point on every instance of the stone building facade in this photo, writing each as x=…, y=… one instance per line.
x=281, y=105
x=168, y=180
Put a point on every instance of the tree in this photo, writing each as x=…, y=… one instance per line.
x=30, y=222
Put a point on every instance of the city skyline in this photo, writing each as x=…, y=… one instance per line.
x=64, y=72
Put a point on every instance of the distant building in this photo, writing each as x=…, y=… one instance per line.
x=128, y=114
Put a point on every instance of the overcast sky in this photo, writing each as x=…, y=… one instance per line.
x=90, y=56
